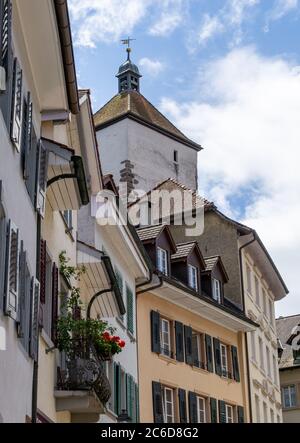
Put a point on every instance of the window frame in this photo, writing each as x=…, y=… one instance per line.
x=163, y=347
x=257, y=291
x=217, y=290
x=162, y=257
x=249, y=278
x=291, y=405
x=193, y=276
x=229, y=407
x=166, y=389
x=199, y=410
x=224, y=368
x=200, y=350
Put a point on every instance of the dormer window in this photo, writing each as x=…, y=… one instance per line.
x=217, y=290
x=193, y=277
x=162, y=260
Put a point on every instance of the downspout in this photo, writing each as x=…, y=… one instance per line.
x=35, y=363
x=246, y=337
x=157, y=286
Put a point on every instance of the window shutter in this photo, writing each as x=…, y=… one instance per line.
x=3, y=235
x=34, y=329
x=182, y=405
x=42, y=175
x=209, y=353
x=54, y=302
x=213, y=410
x=115, y=390
x=12, y=271
x=132, y=401
x=22, y=292
x=158, y=415
x=43, y=262
x=119, y=389
x=27, y=134
x=155, y=332
x=222, y=411
x=119, y=279
x=17, y=106
x=130, y=310
x=128, y=394
x=179, y=341
x=6, y=59
x=217, y=354
x=235, y=363
x=193, y=407
x=137, y=396
x=188, y=334
x=31, y=158
x=240, y=412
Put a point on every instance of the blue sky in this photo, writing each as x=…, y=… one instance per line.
x=227, y=73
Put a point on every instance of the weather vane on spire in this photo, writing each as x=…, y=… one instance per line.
x=127, y=41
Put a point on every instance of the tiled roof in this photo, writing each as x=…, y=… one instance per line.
x=284, y=327
x=149, y=232
x=210, y=262
x=135, y=104
x=183, y=250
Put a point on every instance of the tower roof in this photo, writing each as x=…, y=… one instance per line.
x=132, y=104
x=128, y=66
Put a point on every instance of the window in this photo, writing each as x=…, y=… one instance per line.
x=175, y=156
x=224, y=360
x=165, y=338
x=261, y=354
x=201, y=412
x=162, y=261
x=265, y=412
x=265, y=302
x=268, y=361
x=229, y=414
x=289, y=398
x=275, y=370
x=249, y=280
x=217, y=290
x=67, y=216
x=257, y=407
x=272, y=415
x=271, y=312
x=168, y=405
x=193, y=277
x=198, y=350
x=257, y=291
x=278, y=419
x=253, y=345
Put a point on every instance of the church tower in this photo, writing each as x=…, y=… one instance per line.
x=138, y=144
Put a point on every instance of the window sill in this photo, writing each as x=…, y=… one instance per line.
x=201, y=370
x=167, y=359
x=131, y=336
x=121, y=323
x=47, y=340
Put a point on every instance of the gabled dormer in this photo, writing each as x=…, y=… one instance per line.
x=214, y=278
x=187, y=264
x=159, y=245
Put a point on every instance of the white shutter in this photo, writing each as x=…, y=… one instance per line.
x=16, y=124
x=12, y=271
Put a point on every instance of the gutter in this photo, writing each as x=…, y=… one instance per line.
x=246, y=336
x=65, y=35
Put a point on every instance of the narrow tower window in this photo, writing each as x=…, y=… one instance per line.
x=176, y=156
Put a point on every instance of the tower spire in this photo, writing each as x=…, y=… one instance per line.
x=128, y=74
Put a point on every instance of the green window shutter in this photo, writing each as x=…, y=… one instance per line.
x=54, y=302
x=130, y=310
x=115, y=390
x=12, y=271
x=182, y=405
x=222, y=411
x=133, y=400
x=217, y=354
x=130, y=396
x=213, y=410
x=158, y=416
x=128, y=383
x=188, y=336
x=3, y=236
x=31, y=157
x=193, y=407
x=6, y=58
x=240, y=413
x=17, y=106
x=235, y=363
x=209, y=353
x=155, y=332
x=137, y=396
x=34, y=325
x=119, y=279
x=179, y=341
x=42, y=175
x=22, y=292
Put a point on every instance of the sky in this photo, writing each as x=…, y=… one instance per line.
x=227, y=73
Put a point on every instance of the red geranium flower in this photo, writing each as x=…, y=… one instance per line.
x=106, y=336
x=122, y=344
x=115, y=339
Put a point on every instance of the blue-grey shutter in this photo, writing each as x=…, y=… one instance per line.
x=188, y=337
x=240, y=413
x=27, y=134
x=130, y=310
x=137, y=397
x=179, y=341
x=22, y=292
x=182, y=405
x=193, y=407
x=217, y=354
x=30, y=168
x=222, y=411
x=17, y=106
x=6, y=59
x=34, y=324
x=12, y=271
x=235, y=363
x=155, y=332
x=119, y=279
x=158, y=416
x=209, y=353
x=42, y=174
x=213, y=410
x=54, y=311
x=3, y=235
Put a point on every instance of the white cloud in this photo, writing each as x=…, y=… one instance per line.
x=151, y=67
x=279, y=10
x=249, y=126
x=171, y=14
x=210, y=27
